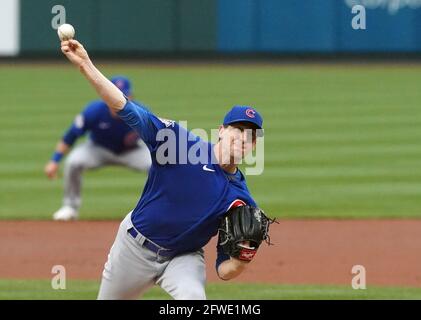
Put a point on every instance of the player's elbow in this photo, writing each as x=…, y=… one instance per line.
x=114, y=99
x=118, y=103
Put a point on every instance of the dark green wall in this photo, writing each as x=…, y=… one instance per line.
x=36, y=31
x=131, y=26
x=197, y=25
x=136, y=25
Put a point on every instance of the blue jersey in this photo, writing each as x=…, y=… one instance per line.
x=106, y=130
x=182, y=204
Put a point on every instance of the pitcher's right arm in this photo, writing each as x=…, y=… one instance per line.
x=108, y=92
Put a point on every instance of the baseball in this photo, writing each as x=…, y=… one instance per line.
x=66, y=32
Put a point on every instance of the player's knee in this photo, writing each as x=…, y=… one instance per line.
x=74, y=163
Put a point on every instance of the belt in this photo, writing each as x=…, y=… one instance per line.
x=167, y=253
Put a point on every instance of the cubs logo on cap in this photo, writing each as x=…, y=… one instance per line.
x=244, y=114
x=250, y=113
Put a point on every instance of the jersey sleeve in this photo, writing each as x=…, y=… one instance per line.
x=144, y=122
x=221, y=257
x=82, y=123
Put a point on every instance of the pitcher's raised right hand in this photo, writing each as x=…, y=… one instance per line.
x=75, y=52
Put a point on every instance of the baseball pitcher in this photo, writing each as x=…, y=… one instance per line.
x=183, y=205
x=111, y=142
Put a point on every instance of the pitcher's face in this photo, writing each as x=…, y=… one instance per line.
x=237, y=141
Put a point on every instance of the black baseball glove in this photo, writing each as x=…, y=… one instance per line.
x=242, y=230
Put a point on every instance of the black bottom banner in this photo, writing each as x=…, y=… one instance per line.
x=217, y=309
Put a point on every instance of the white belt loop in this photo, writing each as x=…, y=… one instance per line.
x=140, y=238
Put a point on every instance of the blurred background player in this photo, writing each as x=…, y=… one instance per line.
x=111, y=142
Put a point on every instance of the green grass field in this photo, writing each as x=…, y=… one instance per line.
x=341, y=141
x=88, y=290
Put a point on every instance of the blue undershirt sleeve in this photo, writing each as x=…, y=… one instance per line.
x=71, y=136
x=76, y=130
x=82, y=123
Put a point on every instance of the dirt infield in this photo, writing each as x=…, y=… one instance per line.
x=305, y=252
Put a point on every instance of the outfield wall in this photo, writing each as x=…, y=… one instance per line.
x=322, y=26
x=215, y=26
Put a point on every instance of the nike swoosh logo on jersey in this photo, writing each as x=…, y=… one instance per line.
x=207, y=169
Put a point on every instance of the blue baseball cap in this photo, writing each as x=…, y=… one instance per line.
x=243, y=114
x=123, y=83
